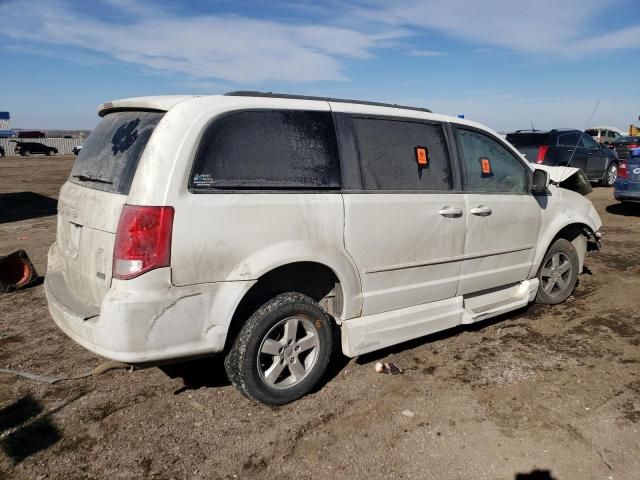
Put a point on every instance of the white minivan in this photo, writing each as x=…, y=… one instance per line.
x=272, y=227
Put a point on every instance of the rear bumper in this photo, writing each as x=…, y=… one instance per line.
x=625, y=190
x=147, y=320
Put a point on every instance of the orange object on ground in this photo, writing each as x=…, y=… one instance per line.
x=16, y=272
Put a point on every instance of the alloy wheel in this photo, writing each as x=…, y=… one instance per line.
x=556, y=274
x=612, y=173
x=288, y=352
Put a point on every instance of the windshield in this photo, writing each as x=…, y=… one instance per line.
x=593, y=133
x=109, y=158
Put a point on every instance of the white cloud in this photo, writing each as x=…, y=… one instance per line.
x=228, y=48
x=242, y=50
x=551, y=27
x=424, y=53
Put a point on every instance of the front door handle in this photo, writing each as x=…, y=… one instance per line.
x=481, y=211
x=450, y=212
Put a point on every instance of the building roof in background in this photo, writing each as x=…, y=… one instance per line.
x=5, y=116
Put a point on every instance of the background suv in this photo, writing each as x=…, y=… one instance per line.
x=27, y=148
x=604, y=135
x=568, y=148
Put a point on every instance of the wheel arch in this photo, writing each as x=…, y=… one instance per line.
x=576, y=232
x=334, y=289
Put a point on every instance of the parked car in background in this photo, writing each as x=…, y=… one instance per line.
x=627, y=187
x=624, y=144
x=275, y=227
x=76, y=149
x=566, y=147
x=28, y=148
x=30, y=134
x=604, y=135
x=2, y=152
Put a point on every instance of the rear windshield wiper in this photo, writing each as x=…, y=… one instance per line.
x=85, y=178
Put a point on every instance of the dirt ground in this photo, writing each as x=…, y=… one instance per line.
x=546, y=392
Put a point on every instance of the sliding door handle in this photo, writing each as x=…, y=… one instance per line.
x=481, y=211
x=450, y=212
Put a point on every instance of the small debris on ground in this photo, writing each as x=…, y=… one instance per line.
x=389, y=368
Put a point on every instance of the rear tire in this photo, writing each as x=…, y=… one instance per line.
x=282, y=351
x=25, y=153
x=558, y=273
x=610, y=175
x=50, y=153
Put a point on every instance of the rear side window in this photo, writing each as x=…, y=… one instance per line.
x=110, y=156
x=268, y=149
x=487, y=166
x=569, y=139
x=402, y=155
x=588, y=142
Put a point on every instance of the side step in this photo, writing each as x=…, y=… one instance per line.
x=495, y=302
x=373, y=332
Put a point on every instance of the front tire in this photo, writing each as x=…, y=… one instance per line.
x=610, y=175
x=282, y=351
x=558, y=273
x=26, y=153
x=50, y=153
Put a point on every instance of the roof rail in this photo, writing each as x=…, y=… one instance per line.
x=248, y=93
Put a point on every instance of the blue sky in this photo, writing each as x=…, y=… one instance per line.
x=505, y=63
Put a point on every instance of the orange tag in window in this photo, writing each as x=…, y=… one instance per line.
x=422, y=157
x=485, y=164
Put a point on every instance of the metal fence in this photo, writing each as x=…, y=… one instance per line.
x=64, y=145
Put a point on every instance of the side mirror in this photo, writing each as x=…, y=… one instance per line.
x=540, y=182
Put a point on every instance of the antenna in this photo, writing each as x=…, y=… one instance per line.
x=582, y=134
x=532, y=127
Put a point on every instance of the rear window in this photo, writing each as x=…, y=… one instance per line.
x=110, y=156
x=268, y=149
x=528, y=139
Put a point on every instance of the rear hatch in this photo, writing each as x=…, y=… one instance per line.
x=91, y=201
x=529, y=144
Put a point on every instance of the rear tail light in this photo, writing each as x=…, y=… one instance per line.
x=143, y=240
x=542, y=152
x=623, y=171
x=633, y=145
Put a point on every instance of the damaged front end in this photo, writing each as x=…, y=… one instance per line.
x=568, y=178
